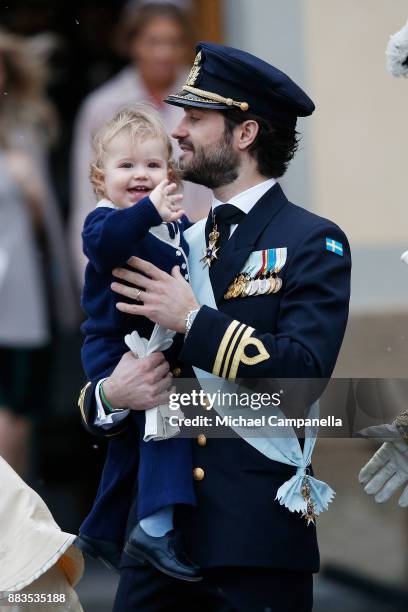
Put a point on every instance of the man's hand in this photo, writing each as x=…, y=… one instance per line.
x=166, y=299
x=167, y=203
x=139, y=384
x=386, y=471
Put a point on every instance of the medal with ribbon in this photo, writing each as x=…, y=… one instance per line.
x=259, y=275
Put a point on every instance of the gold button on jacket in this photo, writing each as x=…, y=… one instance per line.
x=201, y=440
x=198, y=473
x=176, y=372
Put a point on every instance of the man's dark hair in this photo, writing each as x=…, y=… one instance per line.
x=274, y=146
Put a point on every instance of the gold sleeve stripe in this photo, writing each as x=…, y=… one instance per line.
x=241, y=357
x=241, y=328
x=81, y=408
x=262, y=355
x=231, y=329
x=81, y=400
x=237, y=358
x=231, y=352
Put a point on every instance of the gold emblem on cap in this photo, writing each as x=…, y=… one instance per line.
x=211, y=97
x=195, y=70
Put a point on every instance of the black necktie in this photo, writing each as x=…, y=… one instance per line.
x=223, y=217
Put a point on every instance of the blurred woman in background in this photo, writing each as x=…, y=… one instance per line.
x=156, y=36
x=32, y=255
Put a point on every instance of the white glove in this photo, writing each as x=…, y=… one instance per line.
x=387, y=470
x=157, y=426
x=397, y=53
x=404, y=257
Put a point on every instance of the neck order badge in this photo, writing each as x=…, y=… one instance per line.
x=221, y=218
x=210, y=251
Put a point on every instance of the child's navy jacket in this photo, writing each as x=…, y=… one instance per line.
x=110, y=236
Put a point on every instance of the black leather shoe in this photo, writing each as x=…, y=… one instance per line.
x=107, y=552
x=165, y=553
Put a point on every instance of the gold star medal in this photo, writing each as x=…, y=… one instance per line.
x=210, y=252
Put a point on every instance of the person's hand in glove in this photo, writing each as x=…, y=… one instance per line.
x=387, y=470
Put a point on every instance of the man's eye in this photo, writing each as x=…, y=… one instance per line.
x=194, y=119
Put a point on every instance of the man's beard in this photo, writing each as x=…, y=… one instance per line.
x=212, y=166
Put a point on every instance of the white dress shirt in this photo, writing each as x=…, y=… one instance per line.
x=245, y=201
x=106, y=421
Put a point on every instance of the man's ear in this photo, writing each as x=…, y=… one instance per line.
x=247, y=132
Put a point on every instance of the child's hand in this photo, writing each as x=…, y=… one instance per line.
x=168, y=206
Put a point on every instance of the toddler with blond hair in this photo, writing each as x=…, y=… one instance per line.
x=139, y=214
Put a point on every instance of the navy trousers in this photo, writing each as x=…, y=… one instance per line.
x=160, y=473
x=228, y=589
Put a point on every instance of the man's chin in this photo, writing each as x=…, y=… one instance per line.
x=188, y=171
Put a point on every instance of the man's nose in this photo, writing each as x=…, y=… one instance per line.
x=179, y=132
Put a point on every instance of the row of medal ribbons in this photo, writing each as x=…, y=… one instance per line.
x=259, y=275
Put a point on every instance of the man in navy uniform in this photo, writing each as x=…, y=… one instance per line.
x=279, y=279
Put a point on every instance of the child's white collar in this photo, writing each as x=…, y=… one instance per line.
x=106, y=204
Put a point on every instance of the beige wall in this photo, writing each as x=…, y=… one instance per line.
x=352, y=169
x=273, y=30
x=360, y=130
x=353, y=159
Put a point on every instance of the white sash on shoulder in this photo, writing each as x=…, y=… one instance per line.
x=282, y=449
